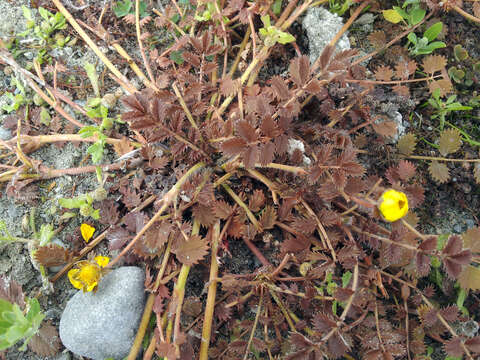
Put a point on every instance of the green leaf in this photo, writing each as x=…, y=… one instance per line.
x=5, y=306
x=266, y=21
x=433, y=46
x=88, y=131
x=27, y=13
x=277, y=7
x=433, y=31
x=96, y=150
x=285, y=38
x=346, y=278
x=46, y=234
x=417, y=15
x=95, y=214
x=177, y=57
x=412, y=37
x=44, y=13
x=93, y=77
x=45, y=117
x=74, y=203
x=122, y=8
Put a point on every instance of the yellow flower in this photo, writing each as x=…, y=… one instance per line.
x=87, y=232
x=86, y=274
x=393, y=205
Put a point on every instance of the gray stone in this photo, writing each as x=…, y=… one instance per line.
x=321, y=26
x=5, y=134
x=103, y=324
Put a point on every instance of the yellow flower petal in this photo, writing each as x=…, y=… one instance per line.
x=102, y=260
x=393, y=205
x=87, y=232
x=72, y=276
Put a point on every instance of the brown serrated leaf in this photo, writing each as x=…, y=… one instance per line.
x=402, y=90
x=476, y=173
x=233, y=146
x=268, y=217
x=325, y=56
x=406, y=144
x=250, y=157
x=476, y=9
x=469, y=278
x=222, y=210
x=385, y=128
x=246, y=131
x=406, y=169
x=256, y=200
x=267, y=153
x=439, y=172
x=280, y=88
x=433, y=63
x=166, y=350
x=191, y=251
x=377, y=38
x=123, y=146
x=52, y=255
x=228, y=86
x=300, y=70
x=473, y=344
x=453, y=347
x=471, y=239
x=445, y=86
x=449, y=142
x=269, y=127
x=46, y=341
x=11, y=291
x=383, y=73
x=203, y=214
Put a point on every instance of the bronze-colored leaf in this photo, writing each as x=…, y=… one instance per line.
x=256, y=200
x=203, y=214
x=444, y=85
x=439, y=172
x=268, y=217
x=406, y=144
x=469, y=278
x=377, y=38
x=476, y=173
x=52, y=255
x=471, y=239
x=406, y=169
x=385, y=128
x=383, y=73
x=434, y=63
x=222, y=210
x=46, y=341
x=300, y=70
x=280, y=88
x=191, y=251
x=450, y=141
x=233, y=146
x=453, y=347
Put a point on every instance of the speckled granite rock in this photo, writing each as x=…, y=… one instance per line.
x=103, y=324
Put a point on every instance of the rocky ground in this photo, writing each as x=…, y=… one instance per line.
x=449, y=208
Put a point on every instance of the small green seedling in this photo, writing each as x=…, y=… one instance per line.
x=272, y=35
x=445, y=108
x=84, y=203
x=411, y=13
x=15, y=326
x=18, y=99
x=425, y=44
x=125, y=7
